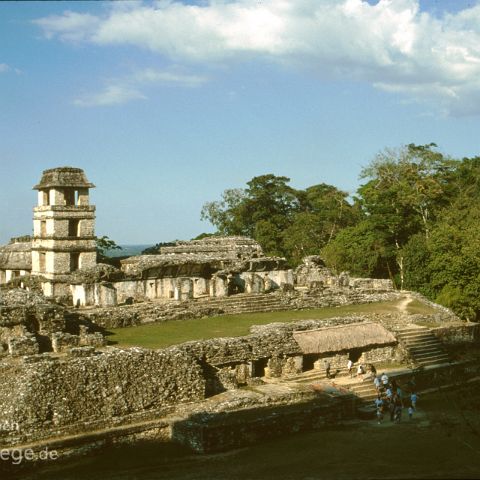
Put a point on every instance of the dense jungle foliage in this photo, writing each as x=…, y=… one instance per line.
x=414, y=219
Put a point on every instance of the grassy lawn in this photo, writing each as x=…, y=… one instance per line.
x=159, y=335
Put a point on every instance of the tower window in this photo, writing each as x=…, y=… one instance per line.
x=69, y=195
x=42, y=261
x=74, y=261
x=74, y=228
x=43, y=228
x=44, y=198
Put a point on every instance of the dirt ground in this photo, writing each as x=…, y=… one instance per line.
x=442, y=440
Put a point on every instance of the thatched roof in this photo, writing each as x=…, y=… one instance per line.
x=343, y=337
x=16, y=256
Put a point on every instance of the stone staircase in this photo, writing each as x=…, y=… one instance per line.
x=423, y=346
x=245, y=303
x=365, y=393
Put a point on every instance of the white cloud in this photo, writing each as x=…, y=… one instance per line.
x=169, y=77
x=70, y=26
x=111, y=95
x=4, y=68
x=123, y=90
x=392, y=44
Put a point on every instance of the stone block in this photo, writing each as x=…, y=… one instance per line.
x=25, y=345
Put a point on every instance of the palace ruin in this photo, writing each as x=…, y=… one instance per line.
x=64, y=384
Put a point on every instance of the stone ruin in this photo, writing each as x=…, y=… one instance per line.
x=211, y=267
x=15, y=259
x=61, y=259
x=314, y=274
x=31, y=324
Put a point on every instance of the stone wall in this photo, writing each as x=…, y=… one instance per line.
x=52, y=393
x=458, y=334
x=232, y=248
x=85, y=390
x=23, y=314
x=46, y=395
x=30, y=324
x=107, y=294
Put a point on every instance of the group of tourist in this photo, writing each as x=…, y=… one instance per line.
x=391, y=398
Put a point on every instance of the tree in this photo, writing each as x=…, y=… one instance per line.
x=406, y=190
x=155, y=249
x=285, y=221
x=445, y=265
x=103, y=245
x=360, y=250
x=225, y=214
x=323, y=212
x=262, y=211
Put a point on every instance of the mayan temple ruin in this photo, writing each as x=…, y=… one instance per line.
x=65, y=383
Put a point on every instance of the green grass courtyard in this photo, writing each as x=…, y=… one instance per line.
x=164, y=334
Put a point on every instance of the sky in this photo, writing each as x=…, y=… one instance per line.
x=166, y=104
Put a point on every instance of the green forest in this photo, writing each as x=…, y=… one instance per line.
x=414, y=219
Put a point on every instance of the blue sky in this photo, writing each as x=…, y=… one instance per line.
x=166, y=104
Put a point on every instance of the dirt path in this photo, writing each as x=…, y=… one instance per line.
x=403, y=304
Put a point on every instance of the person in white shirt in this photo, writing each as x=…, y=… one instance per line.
x=350, y=366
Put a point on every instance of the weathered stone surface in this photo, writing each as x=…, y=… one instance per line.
x=458, y=334
x=62, y=342
x=23, y=345
x=23, y=314
x=45, y=396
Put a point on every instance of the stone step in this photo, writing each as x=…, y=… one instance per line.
x=425, y=363
x=412, y=333
x=412, y=327
x=424, y=346
x=365, y=393
x=253, y=310
x=245, y=308
x=367, y=401
x=244, y=303
x=418, y=338
x=226, y=305
x=418, y=346
x=432, y=358
x=422, y=354
x=363, y=388
x=253, y=305
x=426, y=353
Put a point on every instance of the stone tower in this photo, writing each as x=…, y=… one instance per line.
x=63, y=228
